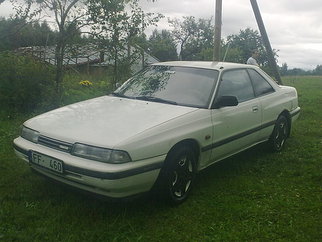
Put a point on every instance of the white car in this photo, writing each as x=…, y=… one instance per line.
x=159, y=128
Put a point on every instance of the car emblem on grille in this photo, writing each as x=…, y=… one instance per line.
x=63, y=147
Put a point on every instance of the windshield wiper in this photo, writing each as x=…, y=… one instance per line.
x=117, y=94
x=156, y=99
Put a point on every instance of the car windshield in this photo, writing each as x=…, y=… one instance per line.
x=174, y=85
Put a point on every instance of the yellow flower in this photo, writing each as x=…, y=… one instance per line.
x=86, y=83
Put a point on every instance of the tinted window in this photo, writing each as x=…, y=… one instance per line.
x=261, y=86
x=182, y=85
x=236, y=83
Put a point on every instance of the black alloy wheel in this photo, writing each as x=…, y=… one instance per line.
x=179, y=174
x=280, y=133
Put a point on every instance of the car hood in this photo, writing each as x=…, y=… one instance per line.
x=105, y=121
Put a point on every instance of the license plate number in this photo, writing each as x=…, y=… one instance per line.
x=47, y=162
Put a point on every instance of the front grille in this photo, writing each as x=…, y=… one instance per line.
x=55, y=144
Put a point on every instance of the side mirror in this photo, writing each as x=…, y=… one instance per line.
x=225, y=101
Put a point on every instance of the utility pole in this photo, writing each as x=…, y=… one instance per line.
x=217, y=38
x=271, y=59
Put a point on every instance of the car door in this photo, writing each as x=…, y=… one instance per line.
x=235, y=128
x=269, y=100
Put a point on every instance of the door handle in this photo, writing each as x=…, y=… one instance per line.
x=255, y=109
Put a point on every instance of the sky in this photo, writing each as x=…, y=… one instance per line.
x=294, y=27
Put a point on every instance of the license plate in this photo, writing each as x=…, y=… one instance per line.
x=47, y=162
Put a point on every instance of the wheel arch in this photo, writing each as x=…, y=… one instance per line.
x=160, y=188
x=187, y=142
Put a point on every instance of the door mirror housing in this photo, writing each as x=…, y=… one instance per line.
x=225, y=101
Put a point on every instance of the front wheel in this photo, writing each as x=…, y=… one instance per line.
x=178, y=175
x=280, y=134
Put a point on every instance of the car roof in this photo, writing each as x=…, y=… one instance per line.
x=205, y=64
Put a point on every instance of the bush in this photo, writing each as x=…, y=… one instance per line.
x=25, y=84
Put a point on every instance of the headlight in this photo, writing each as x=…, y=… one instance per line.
x=100, y=154
x=29, y=134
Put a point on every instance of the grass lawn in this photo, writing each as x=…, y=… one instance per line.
x=253, y=196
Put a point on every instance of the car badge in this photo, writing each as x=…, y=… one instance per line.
x=63, y=147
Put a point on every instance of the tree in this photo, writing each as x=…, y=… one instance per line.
x=229, y=54
x=25, y=83
x=162, y=45
x=70, y=16
x=246, y=41
x=318, y=70
x=10, y=29
x=200, y=42
x=15, y=33
x=297, y=72
x=183, y=31
x=194, y=38
x=117, y=24
x=284, y=69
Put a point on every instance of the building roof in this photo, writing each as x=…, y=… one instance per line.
x=81, y=55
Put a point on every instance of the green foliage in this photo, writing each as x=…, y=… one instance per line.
x=195, y=41
x=116, y=25
x=246, y=41
x=206, y=54
x=232, y=54
x=70, y=17
x=183, y=31
x=283, y=69
x=15, y=33
x=298, y=72
x=79, y=87
x=318, y=70
x=25, y=84
x=200, y=42
x=162, y=45
x=252, y=196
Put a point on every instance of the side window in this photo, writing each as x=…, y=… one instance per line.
x=261, y=86
x=236, y=83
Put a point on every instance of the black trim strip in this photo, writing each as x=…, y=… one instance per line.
x=268, y=124
x=21, y=150
x=116, y=175
x=238, y=136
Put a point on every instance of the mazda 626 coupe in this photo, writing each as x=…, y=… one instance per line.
x=159, y=129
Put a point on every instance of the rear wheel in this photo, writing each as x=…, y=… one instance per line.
x=280, y=134
x=178, y=175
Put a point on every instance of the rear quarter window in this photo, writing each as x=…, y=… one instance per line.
x=261, y=85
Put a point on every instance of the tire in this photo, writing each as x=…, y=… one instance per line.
x=280, y=134
x=178, y=175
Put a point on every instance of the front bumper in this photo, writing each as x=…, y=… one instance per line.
x=112, y=180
